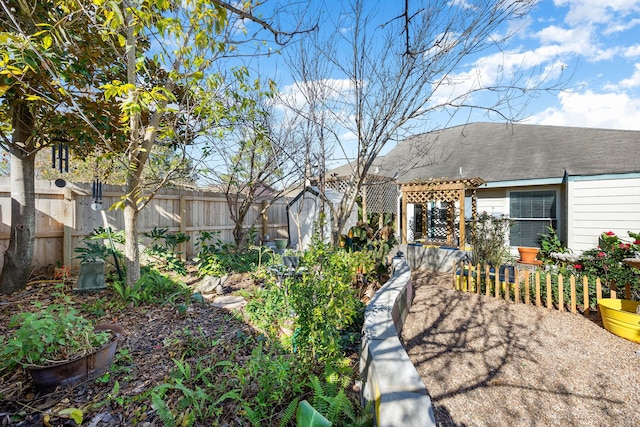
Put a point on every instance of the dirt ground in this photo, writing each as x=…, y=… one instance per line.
x=153, y=336
x=487, y=362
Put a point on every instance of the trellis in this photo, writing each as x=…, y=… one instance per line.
x=379, y=193
x=441, y=190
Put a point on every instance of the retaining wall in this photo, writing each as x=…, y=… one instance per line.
x=431, y=258
x=390, y=381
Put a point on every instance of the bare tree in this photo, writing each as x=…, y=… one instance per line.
x=386, y=77
x=255, y=161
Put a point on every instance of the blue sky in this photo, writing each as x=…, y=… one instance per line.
x=596, y=42
x=600, y=41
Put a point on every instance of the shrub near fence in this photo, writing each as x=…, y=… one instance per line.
x=543, y=289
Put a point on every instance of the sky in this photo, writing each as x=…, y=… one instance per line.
x=595, y=44
x=600, y=42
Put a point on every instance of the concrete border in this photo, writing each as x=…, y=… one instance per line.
x=390, y=381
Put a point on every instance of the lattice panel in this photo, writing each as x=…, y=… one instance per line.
x=432, y=196
x=382, y=194
x=382, y=198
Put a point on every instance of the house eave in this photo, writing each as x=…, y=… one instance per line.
x=524, y=182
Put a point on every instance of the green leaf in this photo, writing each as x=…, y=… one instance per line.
x=307, y=416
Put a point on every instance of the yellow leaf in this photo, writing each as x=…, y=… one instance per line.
x=117, y=205
x=47, y=41
x=74, y=413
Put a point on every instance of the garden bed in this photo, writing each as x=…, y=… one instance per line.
x=154, y=335
x=490, y=362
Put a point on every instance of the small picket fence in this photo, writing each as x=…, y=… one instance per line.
x=527, y=286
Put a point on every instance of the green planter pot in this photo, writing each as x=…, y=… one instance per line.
x=281, y=243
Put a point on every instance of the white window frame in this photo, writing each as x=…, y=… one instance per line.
x=532, y=190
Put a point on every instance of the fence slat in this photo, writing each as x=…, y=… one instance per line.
x=585, y=293
x=560, y=292
x=549, y=296
x=517, y=286
x=538, y=295
x=598, y=290
x=478, y=281
x=507, y=286
x=572, y=282
x=487, y=279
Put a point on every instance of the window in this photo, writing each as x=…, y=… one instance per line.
x=532, y=212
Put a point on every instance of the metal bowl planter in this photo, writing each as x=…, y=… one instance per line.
x=620, y=318
x=90, y=366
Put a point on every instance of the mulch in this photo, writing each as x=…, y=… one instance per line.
x=153, y=336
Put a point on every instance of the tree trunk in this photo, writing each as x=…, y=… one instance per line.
x=19, y=254
x=131, y=249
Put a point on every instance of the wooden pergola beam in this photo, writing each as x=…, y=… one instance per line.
x=450, y=191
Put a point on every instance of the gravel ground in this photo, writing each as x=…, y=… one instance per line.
x=486, y=362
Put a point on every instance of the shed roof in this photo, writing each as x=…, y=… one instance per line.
x=504, y=152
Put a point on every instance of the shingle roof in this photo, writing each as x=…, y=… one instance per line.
x=501, y=152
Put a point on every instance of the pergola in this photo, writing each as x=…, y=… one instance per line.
x=421, y=192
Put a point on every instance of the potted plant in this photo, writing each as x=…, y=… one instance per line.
x=58, y=346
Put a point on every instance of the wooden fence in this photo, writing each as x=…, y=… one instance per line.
x=552, y=291
x=64, y=217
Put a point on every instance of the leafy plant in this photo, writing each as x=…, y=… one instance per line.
x=489, y=239
x=51, y=334
x=324, y=301
x=605, y=261
x=216, y=258
x=94, y=248
x=153, y=287
x=163, y=249
x=551, y=243
x=331, y=400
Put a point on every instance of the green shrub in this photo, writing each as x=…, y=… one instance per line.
x=55, y=333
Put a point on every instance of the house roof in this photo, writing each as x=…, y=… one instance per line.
x=505, y=152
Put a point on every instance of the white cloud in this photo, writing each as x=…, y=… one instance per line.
x=631, y=82
x=595, y=110
x=632, y=51
x=598, y=11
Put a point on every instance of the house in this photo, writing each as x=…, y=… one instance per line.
x=581, y=181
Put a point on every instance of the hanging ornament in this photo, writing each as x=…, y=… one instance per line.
x=96, y=195
x=60, y=161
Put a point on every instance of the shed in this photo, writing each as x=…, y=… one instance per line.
x=303, y=213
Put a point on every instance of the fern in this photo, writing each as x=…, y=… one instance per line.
x=253, y=416
x=319, y=403
x=289, y=412
x=163, y=411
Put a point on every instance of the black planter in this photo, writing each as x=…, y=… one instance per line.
x=93, y=365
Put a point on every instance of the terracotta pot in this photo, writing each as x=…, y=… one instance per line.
x=93, y=365
x=528, y=255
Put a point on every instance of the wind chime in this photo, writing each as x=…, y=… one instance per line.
x=60, y=160
x=96, y=194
